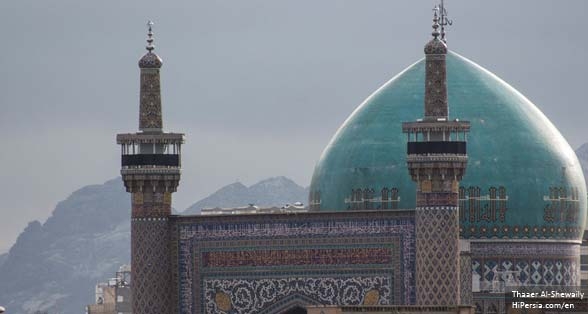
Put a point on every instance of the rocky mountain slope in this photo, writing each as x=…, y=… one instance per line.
x=275, y=191
x=53, y=267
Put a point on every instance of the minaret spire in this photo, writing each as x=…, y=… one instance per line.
x=150, y=115
x=436, y=86
x=150, y=45
x=435, y=32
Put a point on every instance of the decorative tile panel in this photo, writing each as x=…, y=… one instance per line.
x=150, y=266
x=223, y=262
x=530, y=263
x=257, y=295
x=437, y=256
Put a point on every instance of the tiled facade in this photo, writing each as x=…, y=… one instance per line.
x=501, y=264
x=485, y=213
x=437, y=260
x=370, y=257
x=150, y=266
x=530, y=263
x=465, y=278
x=269, y=262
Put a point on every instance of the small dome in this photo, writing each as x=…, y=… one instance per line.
x=435, y=46
x=523, y=179
x=150, y=60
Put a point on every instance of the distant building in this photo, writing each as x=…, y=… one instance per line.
x=114, y=296
x=252, y=209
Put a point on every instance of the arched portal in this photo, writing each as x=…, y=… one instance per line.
x=295, y=310
x=291, y=304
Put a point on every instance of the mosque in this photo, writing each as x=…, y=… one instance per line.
x=411, y=208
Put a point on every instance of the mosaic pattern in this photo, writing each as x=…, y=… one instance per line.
x=485, y=214
x=303, y=227
x=563, y=205
x=477, y=207
x=256, y=258
x=500, y=231
x=150, y=100
x=465, y=277
x=256, y=295
x=436, y=199
x=435, y=76
x=435, y=47
x=435, y=88
x=529, y=264
x=150, y=266
x=528, y=272
x=488, y=303
x=437, y=261
x=369, y=198
x=306, y=248
x=151, y=204
x=150, y=60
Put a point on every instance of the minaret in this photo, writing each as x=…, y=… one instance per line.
x=151, y=163
x=437, y=160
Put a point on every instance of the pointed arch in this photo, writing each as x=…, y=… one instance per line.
x=291, y=302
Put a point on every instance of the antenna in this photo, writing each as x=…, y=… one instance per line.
x=444, y=21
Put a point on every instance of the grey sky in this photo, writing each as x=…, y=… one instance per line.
x=259, y=87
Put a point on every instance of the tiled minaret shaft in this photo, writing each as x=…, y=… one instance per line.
x=150, y=117
x=151, y=165
x=437, y=160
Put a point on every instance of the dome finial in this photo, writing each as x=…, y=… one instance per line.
x=444, y=21
x=150, y=59
x=435, y=32
x=150, y=45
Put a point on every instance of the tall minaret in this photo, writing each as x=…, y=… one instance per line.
x=437, y=160
x=151, y=163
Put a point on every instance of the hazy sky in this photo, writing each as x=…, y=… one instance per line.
x=259, y=87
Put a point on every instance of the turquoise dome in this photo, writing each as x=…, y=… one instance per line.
x=523, y=179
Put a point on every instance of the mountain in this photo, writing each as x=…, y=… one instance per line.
x=582, y=153
x=3, y=258
x=54, y=266
x=276, y=191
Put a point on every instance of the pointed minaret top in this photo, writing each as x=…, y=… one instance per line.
x=435, y=32
x=150, y=59
x=150, y=115
x=150, y=45
x=436, y=45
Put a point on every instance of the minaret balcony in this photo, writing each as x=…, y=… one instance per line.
x=140, y=160
x=437, y=147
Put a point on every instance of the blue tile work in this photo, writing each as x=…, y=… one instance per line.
x=312, y=258
x=534, y=263
x=257, y=295
x=437, y=253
